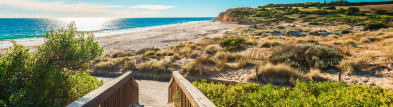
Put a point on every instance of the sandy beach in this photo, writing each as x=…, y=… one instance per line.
x=159, y=37
x=163, y=37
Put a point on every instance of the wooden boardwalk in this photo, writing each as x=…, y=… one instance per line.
x=125, y=91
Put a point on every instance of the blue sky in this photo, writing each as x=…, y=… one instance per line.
x=127, y=8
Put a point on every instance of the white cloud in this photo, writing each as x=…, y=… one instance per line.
x=153, y=7
x=61, y=9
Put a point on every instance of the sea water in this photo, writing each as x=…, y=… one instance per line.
x=31, y=30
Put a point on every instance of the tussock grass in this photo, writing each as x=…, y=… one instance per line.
x=199, y=66
x=269, y=44
x=107, y=65
x=186, y=52
x=279, y=70
x=151, y=66
x=351, y=66
x=212, y=49
x=122, y=53
x=227, y=55
x=128, y=65
x=143, y=51
x=351, y=43
x=243, y=62
x=314, y=74
x=307, y=40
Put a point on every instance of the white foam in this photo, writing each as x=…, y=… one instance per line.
x=114, y=32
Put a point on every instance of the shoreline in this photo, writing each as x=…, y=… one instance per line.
x=161, y=36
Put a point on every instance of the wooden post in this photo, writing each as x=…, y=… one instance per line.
x=256, y=73
x=339, y=76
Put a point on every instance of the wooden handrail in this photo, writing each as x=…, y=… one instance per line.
x=187, y=94
x=120, y=92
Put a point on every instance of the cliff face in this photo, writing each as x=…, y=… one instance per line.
x=224, y=17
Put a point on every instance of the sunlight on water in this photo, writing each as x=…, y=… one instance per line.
x=89, y=24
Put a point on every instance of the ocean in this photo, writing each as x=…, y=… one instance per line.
x=17, y=28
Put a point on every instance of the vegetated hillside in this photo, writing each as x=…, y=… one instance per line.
x=312, y=12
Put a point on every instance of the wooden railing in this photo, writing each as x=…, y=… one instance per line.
x=120, y=92
x=182, y=93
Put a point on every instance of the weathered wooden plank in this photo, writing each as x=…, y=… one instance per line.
x=189, y=95
x=108, y=94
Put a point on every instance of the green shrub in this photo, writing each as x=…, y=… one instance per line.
x=352, y=10
x=241, y=12
x=44, y=77
x=319, y=12
x=326, y=94
x=233, y=44
x=330, y=8
x=345, y=31
x=379, y=11
x=306, y=56
x=374, y=25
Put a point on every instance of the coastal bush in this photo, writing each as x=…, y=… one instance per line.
x=352, y=10
x=242, y=12
x=233, y=44
x=44, y=77
x=374, y=25
x=306, y=56
x=330, y=8
x=379, y=11
x=319, y=12
x=302, y=94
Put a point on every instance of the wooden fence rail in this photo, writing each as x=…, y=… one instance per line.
x=182, y=93
x=120, y=92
